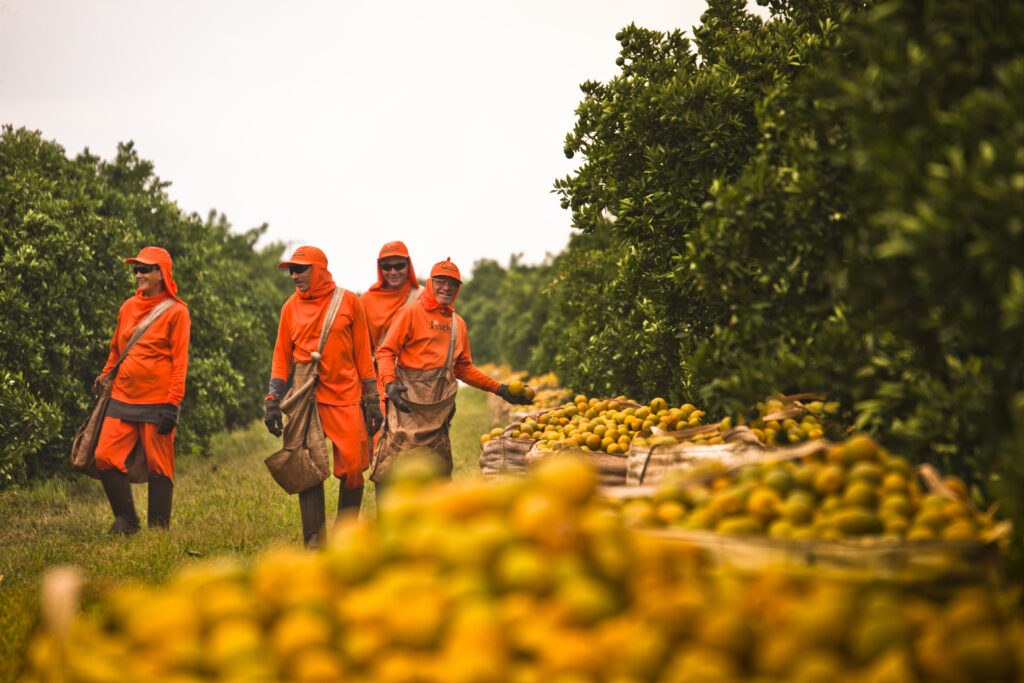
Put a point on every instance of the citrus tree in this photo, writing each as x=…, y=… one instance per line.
x=66, y=226
x=870, y=247
x=830, y=201
x=657, y=141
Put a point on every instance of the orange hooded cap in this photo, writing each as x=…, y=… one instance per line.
x=441, y=269
x=157, y=256
x=321, y=282
x=446, y=268
x=396, y=248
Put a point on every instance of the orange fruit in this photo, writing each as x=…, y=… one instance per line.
x=829, y=479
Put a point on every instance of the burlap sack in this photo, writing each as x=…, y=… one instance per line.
x=303, y=462
x=83, y=448
x=648, y=464
x=504, y=454
x=870, y=557
x=424, y=429
x=431, y=395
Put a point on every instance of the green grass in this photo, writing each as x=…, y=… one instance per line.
x=225, y=504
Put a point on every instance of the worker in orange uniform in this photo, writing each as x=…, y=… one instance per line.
x=346, y=394
x=146, y=394
x=396, y=286
x=424, y=353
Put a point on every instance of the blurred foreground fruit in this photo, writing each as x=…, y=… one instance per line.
x=530, y=579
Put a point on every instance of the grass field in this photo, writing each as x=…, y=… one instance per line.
x=225, y=504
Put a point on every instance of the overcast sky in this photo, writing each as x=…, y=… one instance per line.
x=341, y=124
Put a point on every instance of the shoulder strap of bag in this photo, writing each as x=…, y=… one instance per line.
x=451, y=343
x=332, y=312
x=137, y=333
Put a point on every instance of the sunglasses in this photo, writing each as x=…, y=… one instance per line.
x=145, y=270
x=388, y=267
x=296, y=269
x=444, y=284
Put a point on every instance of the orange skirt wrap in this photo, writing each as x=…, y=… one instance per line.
x=346, y=428
x=118, y=438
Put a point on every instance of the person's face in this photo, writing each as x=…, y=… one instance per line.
x=148, y=278
x=396, y=271
x=445, y=289
x=301, y=276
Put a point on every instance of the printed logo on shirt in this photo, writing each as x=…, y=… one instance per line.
x=444, y=327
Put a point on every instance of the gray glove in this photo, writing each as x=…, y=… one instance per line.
x=394, y=390
x=274, y=420
x=168, y=418
x=373, y=417
x=519, y=400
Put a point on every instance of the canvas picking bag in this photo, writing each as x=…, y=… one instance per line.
x=303, y=462
x=431, y=395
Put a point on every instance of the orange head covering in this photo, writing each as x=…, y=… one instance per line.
x=158, y=256
x=396, y=248
x=446, y=268
x=442, y=269
x=321, y=282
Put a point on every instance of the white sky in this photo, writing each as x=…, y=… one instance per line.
x=341, y=124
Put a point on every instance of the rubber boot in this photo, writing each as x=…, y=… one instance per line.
x=161, y=490
x=349, y=502
x=119, y=494
x=312, y=508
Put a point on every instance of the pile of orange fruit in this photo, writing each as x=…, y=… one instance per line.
x=599, y=425
x=850, y=489
x=614, y=425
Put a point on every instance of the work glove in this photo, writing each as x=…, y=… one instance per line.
x=100, y=383
x=520, y=399
x=273, y=419
x=168, y=414
x=372, y=415
x=394, y=390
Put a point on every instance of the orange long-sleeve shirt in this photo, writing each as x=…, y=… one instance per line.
x=418, y=340
x=155, y=368
x=346, y=359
